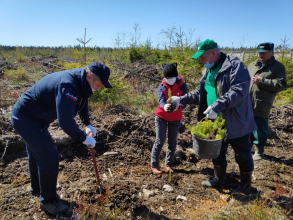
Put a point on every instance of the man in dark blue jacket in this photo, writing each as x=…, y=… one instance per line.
x=60, y=95
x=224, y=88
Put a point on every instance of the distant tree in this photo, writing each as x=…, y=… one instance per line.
x=135, y=36
x=84, y=51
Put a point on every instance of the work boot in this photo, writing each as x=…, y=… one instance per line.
x=245, y=184
x=259, y=153
x=219, y=178
x=55, y=208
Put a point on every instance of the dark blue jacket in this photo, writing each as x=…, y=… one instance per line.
x=233, y=99
x=60, y=95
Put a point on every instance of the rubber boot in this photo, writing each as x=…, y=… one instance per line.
x=55, y=208
x=245, y=184
x=219, y=178
x=259, y=153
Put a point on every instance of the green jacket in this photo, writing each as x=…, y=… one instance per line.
x=273, y=80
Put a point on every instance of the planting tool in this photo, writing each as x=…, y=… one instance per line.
x=100, y=189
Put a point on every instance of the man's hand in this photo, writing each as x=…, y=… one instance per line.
x=210, y=113
x=90, y=129
x=90, y=142
x=255, y=79
x=175, y=100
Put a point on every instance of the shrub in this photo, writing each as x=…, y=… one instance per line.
x=134, y=55
x=114, y=95
x=18, y=75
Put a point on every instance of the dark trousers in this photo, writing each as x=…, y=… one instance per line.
x=259, y=137
x=161, y=130
x=242, y=149
x=43, y=157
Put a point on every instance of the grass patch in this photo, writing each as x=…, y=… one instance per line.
x=259, y=209
x=19, y=75
x=284, y=97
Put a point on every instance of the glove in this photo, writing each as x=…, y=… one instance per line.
x=90, y=142
x=173, y=108
x=166, y=107
x=90, y=129
x=170, y=107
x=175, y=100
x=176, y=107
x=210, y=113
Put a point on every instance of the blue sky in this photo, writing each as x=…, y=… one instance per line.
x=56, y=23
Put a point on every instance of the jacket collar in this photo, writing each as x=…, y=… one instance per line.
x=267, y=63
x=226, y=63
x=86, y=87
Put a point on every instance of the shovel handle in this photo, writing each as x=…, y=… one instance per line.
x=95, y=163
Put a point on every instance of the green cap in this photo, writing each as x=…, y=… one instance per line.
x=204, y=46
x=264, y=47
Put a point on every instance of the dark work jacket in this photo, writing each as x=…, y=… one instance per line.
x=233, y=99
x=273, y=80
x=60, y=95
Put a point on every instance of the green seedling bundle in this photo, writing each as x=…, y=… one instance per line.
x=209, y=130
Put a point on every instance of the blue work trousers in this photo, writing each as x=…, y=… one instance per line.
x=242, y=149
x=43, y=156
x=161, y=130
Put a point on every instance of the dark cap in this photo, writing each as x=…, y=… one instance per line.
x=170, y=69
x=102, y=71
x=264, y=47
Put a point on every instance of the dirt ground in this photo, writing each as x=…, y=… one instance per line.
x=127, y=173
x=123, y=153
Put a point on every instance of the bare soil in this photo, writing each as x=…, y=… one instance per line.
x=126, y=173
x=132, y=137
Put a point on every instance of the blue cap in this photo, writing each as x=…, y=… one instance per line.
x=102, y=71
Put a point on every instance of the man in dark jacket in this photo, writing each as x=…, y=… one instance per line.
x=60, y=95
x=224, y=88
x=268, y=78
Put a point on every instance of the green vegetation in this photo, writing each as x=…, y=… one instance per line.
x=258, y=209
x=169, y=96
x=170, y=177
x=282, y=168
x=19, y=75
x=208, y=130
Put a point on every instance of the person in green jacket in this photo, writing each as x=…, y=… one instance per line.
x=268, y=77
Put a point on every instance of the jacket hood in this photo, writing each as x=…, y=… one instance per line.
x=84, y=84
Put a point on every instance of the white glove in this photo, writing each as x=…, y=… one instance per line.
x=90, y=142
x=166, y=107
x=90, y=129
x=210, y=113
x=175, y=100
x=171, y=108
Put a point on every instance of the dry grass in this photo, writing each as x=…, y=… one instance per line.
x=99, y=210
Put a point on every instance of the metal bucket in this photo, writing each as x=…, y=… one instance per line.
x=206, y=149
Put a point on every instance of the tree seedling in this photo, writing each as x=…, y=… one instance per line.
x=170, y=177
x=282, y=168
